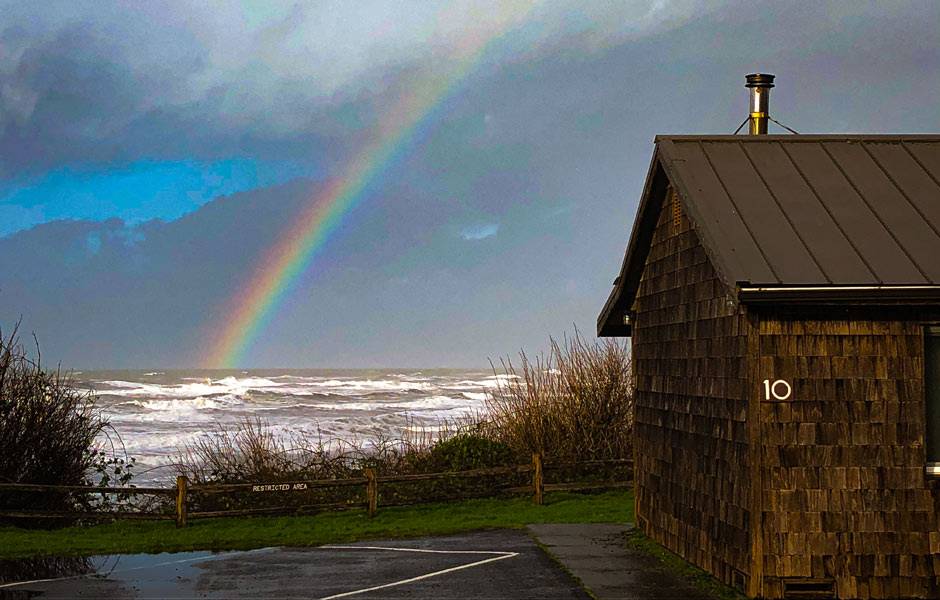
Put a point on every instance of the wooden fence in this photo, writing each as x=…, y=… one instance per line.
x=184, y=491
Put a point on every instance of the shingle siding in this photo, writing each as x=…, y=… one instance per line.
x=691, y=440
x=844, y=491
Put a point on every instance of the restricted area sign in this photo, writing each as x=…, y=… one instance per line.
x=278, y=487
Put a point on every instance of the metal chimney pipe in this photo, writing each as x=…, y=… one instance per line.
x=759, y=84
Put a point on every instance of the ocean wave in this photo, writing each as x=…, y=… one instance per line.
x=208, y=387
x=372, y=384
x=234, y=385
x=435, y=402
x=188, y=404
x=491, y=381
x=429, y=404
x=157, y=415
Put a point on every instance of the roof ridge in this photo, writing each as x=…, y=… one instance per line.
x=811, y=137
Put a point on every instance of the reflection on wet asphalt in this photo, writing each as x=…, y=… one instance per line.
x=118, y=576
x=493, y=564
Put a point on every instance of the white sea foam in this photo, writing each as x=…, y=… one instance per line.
x=228, y=385
x=492, y=381
x=190, y=404
x=382, y=385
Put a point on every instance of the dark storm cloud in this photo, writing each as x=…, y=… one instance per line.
x=70, y=97
x=102, y=82
x=504, y=224
x=95, y=83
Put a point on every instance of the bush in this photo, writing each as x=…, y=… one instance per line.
x=48, y=430
x=574, y=404
x=466, y=451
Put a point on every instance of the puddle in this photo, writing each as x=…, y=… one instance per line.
x=118, y=576
x=43, y=568
x=38, y=568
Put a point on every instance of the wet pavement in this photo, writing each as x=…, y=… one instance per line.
x=484, y=565
x=597, y=554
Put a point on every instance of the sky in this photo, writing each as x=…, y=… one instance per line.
x=153, y=154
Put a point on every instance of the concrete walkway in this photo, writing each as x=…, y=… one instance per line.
x=599, y=557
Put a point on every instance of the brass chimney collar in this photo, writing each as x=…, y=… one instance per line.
x=759, y=80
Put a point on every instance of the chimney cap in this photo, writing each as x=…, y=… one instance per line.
x=764, y=80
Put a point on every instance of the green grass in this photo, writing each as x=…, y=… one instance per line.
x=678, y=566
x=324, y=528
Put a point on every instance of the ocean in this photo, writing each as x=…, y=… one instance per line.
x=155, y=413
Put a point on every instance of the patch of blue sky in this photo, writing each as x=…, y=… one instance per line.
x=479, y=232
x=135, y=192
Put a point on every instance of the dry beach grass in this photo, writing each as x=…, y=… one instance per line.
x=576, y=403
x=573, y=404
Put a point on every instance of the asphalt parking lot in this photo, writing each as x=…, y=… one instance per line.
x=492, y=564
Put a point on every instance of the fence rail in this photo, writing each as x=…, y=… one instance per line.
x=84, y=514
x=128, y=491
x=183, y=492
x=217, y=488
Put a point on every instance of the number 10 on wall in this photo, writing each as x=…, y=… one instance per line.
x=777, y=390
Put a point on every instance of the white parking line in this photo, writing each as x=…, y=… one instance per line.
x=498, y=556
x=396, y=549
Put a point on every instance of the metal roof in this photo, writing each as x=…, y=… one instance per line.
x=797, y=210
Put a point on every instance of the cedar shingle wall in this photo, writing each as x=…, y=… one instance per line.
x=689, y=346
x=845, y=494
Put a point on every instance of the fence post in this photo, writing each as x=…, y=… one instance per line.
x=181, y=484
x=372, y=491
x=537, y=483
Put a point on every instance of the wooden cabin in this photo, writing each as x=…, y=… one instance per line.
x=782, y=295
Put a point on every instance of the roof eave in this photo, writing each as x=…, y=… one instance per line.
x=610, y=322
x=607, y=323
x=838, y=294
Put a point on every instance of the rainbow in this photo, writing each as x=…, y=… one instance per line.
x=257, y=299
